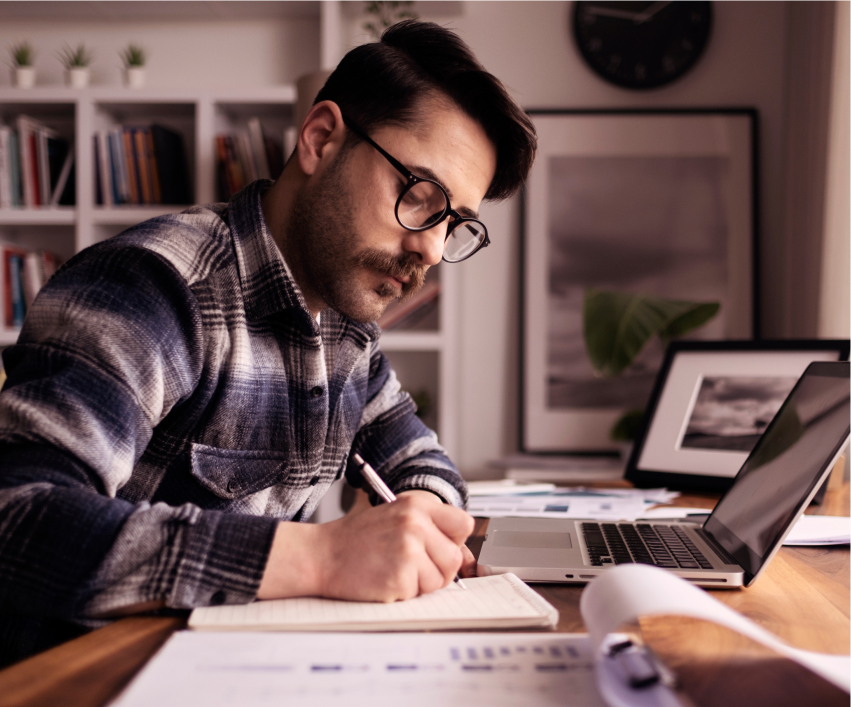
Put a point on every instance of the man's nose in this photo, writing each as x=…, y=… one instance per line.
x=428, y=245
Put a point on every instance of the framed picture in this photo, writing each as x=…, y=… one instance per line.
x=659, y=203
x=711, y=403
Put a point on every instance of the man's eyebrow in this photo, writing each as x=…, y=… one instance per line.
x=421, y=171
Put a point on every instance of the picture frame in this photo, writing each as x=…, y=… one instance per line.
x=661, y=202
x=711, y=402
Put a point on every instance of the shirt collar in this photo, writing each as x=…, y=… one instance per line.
x=265, y=278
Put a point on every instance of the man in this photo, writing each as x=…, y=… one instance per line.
x=182, y=393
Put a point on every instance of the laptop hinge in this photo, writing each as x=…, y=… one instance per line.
x=720, y=551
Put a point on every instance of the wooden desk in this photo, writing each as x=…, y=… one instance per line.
x=803, y=597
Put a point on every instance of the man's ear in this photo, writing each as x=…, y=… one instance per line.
x=322, y=135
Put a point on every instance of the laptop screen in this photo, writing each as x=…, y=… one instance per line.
x=784, y=467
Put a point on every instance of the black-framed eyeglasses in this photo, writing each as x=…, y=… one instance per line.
x=423, y=204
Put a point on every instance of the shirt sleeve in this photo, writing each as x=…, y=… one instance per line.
x=110, y=345
x=398, y=445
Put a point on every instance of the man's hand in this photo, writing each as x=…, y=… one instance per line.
x=391, y=552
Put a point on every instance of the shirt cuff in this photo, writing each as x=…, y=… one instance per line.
x=222, y=559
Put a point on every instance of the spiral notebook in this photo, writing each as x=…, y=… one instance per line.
x=496, y=602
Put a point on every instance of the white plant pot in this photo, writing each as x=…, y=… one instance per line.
x=24, y=76
x=134, y=76
x=78, y=77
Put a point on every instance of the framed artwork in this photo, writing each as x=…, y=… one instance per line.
x=660, y=203
x=711, y=403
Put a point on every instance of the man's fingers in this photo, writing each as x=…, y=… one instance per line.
x=444, y=554
x=454, y=523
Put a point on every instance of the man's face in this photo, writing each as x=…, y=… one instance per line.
x=352, y=252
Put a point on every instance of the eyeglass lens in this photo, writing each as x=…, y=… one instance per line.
x=463, y=241
x=423, y=205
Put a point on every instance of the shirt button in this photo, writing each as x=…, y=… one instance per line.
x=218, y=598
x=232, y=485
x=314, y=481
x=317, y=391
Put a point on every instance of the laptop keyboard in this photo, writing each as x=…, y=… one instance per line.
x=661, y=545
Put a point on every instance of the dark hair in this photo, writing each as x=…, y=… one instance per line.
x=384, y=82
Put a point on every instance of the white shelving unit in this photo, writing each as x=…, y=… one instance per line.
x=424, y=360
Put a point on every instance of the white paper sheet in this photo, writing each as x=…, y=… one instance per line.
x=577, y=502
x=368, y=670
x=630, y=591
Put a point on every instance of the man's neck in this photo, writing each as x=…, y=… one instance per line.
x=276, y=204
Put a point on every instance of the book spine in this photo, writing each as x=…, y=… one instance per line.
x=62, y=180
x=258, y=148
x=130, y=162
x=43, y=168
x=154, y=168
x=15, y=169
x=246, y=157
x=5, y=169
x=31, y=276
x=16, y=290
x=25, y=161
x=105, y=161
x=142, y=166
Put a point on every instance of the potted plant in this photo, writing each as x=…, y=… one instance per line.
x=23, y=70
x=384, y=13
x=76, y=63
x=134, y=66
x=617, y=326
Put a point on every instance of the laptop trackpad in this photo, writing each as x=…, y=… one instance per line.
x=531, y=538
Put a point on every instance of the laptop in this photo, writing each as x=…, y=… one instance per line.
x=736, y=542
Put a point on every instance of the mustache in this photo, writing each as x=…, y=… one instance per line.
x=401, y=268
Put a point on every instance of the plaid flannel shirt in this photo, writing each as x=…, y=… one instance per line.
x=169, y=399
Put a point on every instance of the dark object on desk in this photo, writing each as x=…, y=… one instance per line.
x=742, y=534
x=710, y=404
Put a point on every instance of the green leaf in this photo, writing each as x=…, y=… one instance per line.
x=627, y=427
x=693, y=319
x=617, y=325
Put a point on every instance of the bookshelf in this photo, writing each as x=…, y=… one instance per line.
x=423, y=359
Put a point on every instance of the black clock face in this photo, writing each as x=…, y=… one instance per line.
x=641, y=44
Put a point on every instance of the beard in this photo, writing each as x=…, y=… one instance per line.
x=322, y=249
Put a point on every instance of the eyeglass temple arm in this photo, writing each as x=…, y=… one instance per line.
x=361, y=133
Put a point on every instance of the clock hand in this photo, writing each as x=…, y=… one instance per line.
x=613, y=12
x=642, y=17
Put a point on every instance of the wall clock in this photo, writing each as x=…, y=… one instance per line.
x=641, y=44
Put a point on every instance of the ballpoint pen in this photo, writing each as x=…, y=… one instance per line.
x=378, y=485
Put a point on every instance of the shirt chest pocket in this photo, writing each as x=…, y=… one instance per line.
x=233, y=474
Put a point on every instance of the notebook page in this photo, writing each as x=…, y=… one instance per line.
x=486, y=598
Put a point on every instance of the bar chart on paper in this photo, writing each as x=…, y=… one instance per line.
x=354, y=670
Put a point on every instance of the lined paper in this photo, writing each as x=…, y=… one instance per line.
x=496, y=601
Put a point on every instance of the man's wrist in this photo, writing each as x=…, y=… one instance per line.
x=292, y=569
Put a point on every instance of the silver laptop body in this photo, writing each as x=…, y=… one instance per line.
x=733, y=546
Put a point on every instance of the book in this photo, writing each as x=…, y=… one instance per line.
x=134, y=195
x=15, y=169
x=258, y=147
x=64, y=189
x=5, y=167
x=496, y=602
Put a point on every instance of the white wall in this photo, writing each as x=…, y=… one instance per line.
x=529, y=46
x=835, y=310
x=199, y=53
